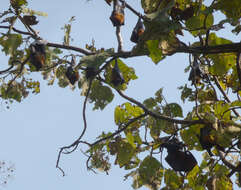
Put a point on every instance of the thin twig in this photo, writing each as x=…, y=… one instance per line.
x=80, y=50
x=76, y=142
x=224, y=94
x=18, y=74
x=18, y=31
x=133, y=10
x=6, y=70
x=158, y=116
x=120, y=130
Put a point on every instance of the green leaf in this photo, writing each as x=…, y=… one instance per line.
x=150, y=6
x=231, y=8
x=222, y=62
x=125, y=153
x=174, y=109
x=10, y=43
x=159, y=96
x=192, y=176
x=130, y=138
x=150, y=103
x=149, y=169
x=29, y=11
x=120, y=115
x=67, y=30
x=100, y=95
x=198, y=21
x=190, y=138
x=155, y=51
x=16, y=4
x=171, y=179
x=186, y=93
x=96, y=60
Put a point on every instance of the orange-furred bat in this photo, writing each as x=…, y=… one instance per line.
x=118, y=15
x=137, y=31
x=208, y=140
x=72, y=75
x=37, y=54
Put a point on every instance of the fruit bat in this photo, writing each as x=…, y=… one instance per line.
x=116, y=76
x=37, y=54
x=179, y=160
x=72, y=75
x=178, y=14
x=90, y=72
x=196, y=74
x=137, y=31
x=187, y=13
x=30, y=19
x=118, y=15
x=208, y=140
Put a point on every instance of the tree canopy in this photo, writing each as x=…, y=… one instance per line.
x=144, y=129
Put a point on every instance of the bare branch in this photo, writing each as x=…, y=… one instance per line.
x=70, y=48
x=18, y=31
x=119, y=38
x=6, y=70
x=76, y=142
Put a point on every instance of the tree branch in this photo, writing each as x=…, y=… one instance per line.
x=238, y=66
x=70, y=48
x=158, y=116
x=76, y=142
x=133, y=10
x=119, y=38
x=120, y=130
x=18, y=31
x=224, y=94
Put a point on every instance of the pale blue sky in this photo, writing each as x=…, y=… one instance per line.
x=33, y=131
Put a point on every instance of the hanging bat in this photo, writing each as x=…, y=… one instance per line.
x=30, y=19
x=208, y=140
x=179, y=160
x=37, y=54
x=196, y=74
x=137, y=31
x=116, y=76
x=72, y=75
x=118, y=15
x=90, y=72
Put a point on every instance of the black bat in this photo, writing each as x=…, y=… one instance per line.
x=116, y=76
